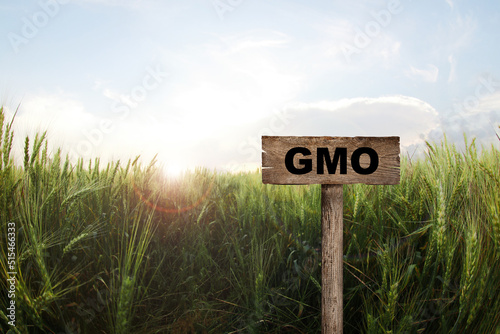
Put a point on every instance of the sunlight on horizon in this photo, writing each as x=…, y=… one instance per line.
x=174, y=170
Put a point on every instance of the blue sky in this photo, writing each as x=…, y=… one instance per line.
x=199, y=81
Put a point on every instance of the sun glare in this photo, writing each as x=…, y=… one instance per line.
x=173, y=170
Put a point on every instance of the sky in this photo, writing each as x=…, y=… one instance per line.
x=198, y=82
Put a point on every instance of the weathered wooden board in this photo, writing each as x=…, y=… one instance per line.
x=332, y=258
x=342, y=160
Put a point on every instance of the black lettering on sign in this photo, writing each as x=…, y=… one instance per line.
x=306, y=162
x=331, y=165
x=373, y=160
x=330, y=160
x=339, y=158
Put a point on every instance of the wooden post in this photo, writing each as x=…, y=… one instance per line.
x=331, y=162
x=332, y=258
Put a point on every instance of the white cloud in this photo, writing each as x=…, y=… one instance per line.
x=488, y=103
x=410, y=118
x=476, y=117
x=430, y=74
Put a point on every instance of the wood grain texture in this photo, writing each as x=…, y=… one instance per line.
x=332, y=246
x=275, y=149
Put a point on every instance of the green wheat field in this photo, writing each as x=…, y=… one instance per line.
x=123, y=249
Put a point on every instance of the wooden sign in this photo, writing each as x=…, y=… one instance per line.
x=331, y=162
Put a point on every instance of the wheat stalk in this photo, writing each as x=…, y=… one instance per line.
x=73, y=241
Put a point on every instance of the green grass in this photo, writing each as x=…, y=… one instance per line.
x=122, y=249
